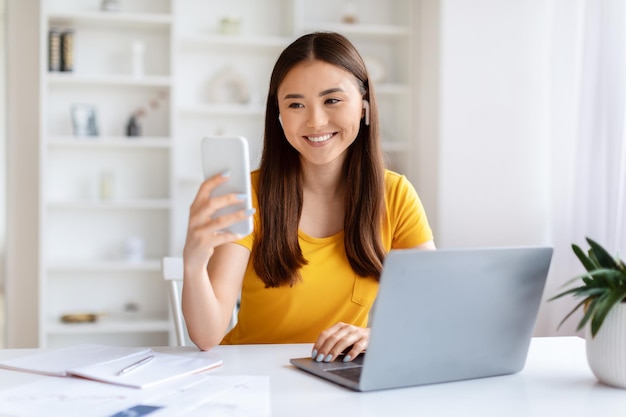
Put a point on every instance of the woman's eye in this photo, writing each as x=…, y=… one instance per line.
x=332, y=101
x=295, y=105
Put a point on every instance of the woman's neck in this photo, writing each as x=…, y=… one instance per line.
x=323, y=190
x=323, y=180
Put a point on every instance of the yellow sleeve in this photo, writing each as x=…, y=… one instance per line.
x=408, y=223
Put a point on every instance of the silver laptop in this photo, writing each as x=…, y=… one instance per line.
x=446, y=315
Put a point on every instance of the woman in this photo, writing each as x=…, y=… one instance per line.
x=327, y=213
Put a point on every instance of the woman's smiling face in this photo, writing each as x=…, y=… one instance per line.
x=321, y=108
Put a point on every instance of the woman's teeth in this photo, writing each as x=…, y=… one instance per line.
x=320, y=138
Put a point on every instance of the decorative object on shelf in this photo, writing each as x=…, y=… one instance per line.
x=228, y=86
x=230, y=25
x=134, y=249
x=107, y=185
x=67, y=50
x=110, y=6
x=81, y=317
x=603, y=293
x=138, y=49
x=131, y=307
x=54, y=50
x=376, y=69
x=350, y=14
x=84, y=120
x=60, y=50
x=133, y=128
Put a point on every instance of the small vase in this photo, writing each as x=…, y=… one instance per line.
x=133, y=128
x=606, y=353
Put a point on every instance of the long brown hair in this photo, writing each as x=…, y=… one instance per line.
x=276, y=253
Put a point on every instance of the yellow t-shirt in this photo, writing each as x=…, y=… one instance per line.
x=329, y=291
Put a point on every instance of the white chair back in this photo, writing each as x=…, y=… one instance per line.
x=172, y=268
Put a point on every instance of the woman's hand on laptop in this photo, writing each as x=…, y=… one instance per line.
x=340, y=338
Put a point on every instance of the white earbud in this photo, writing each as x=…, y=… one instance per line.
x=280, y=120
x=366, y=107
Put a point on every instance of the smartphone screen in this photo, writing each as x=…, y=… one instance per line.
x=221, y=154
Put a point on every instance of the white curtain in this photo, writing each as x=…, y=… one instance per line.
x=588, y=78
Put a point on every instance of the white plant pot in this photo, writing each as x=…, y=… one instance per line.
x=606, y=353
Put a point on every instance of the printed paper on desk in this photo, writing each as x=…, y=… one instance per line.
x=59, y=362
x=164, y=367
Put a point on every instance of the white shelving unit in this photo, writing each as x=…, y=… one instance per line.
x=100, y=193
x=207, y=64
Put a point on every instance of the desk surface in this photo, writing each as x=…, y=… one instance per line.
x=555, y=381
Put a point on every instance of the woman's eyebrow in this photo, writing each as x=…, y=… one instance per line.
x=321, y=94
x=331, y=91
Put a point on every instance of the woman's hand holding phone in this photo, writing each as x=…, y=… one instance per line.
x=207, y=231
x=222, y=209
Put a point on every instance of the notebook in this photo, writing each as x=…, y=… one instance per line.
x=127, y=366
x=446, y=315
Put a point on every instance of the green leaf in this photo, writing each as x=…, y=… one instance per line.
x=600, y=288
x=603, y=308
x=603, y=257
x=588, y=313
x=582, y=291
x=571, y=312
x=587, y=263
x=608, y=278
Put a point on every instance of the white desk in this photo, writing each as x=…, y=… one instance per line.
x=556, y=381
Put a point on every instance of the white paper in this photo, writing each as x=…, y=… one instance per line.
x=196, y=395
x=58, y=362
x=164, y=367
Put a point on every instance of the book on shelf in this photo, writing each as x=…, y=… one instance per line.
x=128, y=366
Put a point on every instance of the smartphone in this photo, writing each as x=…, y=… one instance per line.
x=220, y=154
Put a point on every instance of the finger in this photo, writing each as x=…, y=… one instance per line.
x=357, y=348
x=221, y=224
x=336, y=341
x=208, y=185
x=203, y=211
x=321, y=340
x=209, y=229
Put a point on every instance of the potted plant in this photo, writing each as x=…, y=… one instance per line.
x=602, y=291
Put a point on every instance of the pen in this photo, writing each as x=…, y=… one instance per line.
x=135, y=365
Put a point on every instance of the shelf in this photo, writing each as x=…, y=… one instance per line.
x=361, y=30
x=112, y=19
x=149, y=265
x=242, y=41
x=118, y=324
x=71, y=78
x=137, y=204
x=98, y=142
x=222, y=110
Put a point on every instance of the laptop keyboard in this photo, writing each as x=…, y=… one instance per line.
x=352, y=373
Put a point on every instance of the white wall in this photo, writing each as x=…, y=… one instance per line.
x=22, y=290
x=2, y=142
x=491, y=176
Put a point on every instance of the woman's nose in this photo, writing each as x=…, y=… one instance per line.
x=316, y=117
